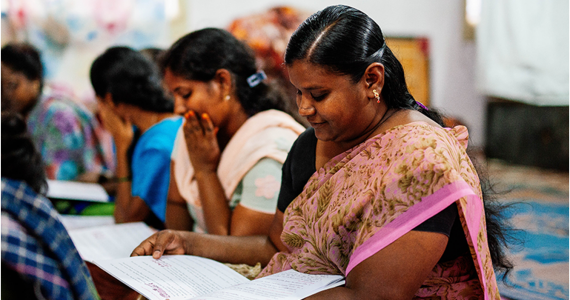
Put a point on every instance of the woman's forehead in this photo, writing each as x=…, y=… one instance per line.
x=309, y=74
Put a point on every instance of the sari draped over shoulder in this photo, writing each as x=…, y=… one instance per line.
x=367, y=197
x=266, y=134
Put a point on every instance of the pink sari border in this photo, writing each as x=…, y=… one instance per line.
x=414, y=216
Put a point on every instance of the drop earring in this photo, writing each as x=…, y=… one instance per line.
x=376, y=95
x=227, y=97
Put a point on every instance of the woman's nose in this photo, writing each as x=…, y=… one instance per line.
x=179, y=106
x=305, y=107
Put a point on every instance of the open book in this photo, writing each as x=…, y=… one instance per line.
x=184, y=277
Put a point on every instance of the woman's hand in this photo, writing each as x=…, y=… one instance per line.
x=165, y=242
x=121, y=130
x=227, y=249
x=203, y=148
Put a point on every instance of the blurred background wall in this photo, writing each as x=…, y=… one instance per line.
x=71, y=33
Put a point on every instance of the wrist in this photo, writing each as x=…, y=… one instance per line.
x=204, y=173
x=121, y=149
x=190, y=243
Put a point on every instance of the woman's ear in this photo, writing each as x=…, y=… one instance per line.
x=374, y=79
x=36, y=85
x=108, y=99
x=224, y=78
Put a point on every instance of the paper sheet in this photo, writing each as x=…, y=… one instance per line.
x=286, y=285
x=72, y=222
x=72, y=190
x=109, y=242
x=174, y=277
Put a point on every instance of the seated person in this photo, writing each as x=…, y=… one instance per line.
x=377, y=190
x=228, y=155
x=129, y=92
x=71, y=141
x=39, y=260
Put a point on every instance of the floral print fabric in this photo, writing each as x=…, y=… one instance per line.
x=377, y=184
x=70, y=139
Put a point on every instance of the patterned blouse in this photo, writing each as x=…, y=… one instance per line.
x=70, y=138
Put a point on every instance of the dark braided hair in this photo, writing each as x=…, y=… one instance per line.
x=20, y=158
x=200, y=54
x=346, y=41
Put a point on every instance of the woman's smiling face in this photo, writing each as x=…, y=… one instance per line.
x=336, y=107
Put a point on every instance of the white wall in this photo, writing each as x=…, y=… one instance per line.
x=452, y=59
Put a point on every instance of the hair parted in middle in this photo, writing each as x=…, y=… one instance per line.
x=346, y=41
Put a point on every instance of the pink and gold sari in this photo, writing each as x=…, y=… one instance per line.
x=366, y=198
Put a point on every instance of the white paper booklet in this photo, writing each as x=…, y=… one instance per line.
x=181, y=277
x=72, y=190
x=110, y=241
x=73, y=222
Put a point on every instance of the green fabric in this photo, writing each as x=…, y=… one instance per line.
x=99, y=209
x=68, y=207
x=259, y=189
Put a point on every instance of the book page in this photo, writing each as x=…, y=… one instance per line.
x=174, y=277
x=73, y=190
x=286, y=285
x=109, y=242
x=72, y=222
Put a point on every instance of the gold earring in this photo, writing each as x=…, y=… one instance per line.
x=227, y=97
x=376, y=95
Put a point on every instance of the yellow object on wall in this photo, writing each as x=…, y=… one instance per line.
x=413, y=54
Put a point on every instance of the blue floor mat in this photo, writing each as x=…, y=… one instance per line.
x=541, y=262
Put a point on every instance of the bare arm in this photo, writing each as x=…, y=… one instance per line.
x=245, y=222
x=217, y=213
x=127, y=207
x=230, y=249
x=395, y=272
x=177, y=214
x=200, y=136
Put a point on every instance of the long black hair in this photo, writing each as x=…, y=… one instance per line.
x=131, y=78
x=20, y=158
x=346, y=41
x=199, y=54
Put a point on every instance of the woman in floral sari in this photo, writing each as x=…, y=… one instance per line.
x=377, y=190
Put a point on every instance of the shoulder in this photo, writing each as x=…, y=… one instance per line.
x=20, y=196
x=410, y=125
x=421, y=132
x=64, y=109
x=170, y=123
x=161, y=136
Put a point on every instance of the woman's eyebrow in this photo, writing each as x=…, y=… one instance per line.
x=311, y=88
